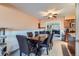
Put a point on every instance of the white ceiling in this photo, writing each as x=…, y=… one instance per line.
x=34, y=9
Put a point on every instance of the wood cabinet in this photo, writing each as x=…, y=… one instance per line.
x=71, y=43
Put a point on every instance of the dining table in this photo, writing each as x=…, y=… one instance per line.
x=40, y=37
x=37, y=40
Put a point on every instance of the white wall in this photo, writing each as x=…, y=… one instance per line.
x=77, y=30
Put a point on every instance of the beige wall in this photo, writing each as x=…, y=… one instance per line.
x=15, y=19
x=77, y=22
x=77, y=29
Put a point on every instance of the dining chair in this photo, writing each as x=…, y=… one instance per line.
x=47, y=32
x=50, y=41
x=23, y=44
x=33, y=42
x=29, y=34
x=42, y=32
x=36, y=33
x=45, y=44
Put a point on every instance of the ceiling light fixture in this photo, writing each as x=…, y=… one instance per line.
x=50, y=13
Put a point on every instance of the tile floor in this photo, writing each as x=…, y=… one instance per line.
x=56, y=49
x=77, y=48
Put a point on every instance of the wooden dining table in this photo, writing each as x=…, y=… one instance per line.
x=40, y=37
x=36, y=40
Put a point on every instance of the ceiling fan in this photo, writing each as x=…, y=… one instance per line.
x=50, y=13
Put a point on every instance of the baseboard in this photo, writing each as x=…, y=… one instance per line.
x=13, y=51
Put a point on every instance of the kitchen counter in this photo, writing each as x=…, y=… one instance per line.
x=72, y=34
